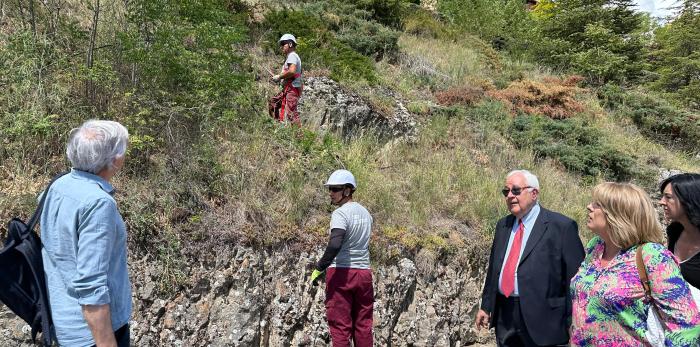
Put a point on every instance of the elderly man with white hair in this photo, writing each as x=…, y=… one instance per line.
x=534, y=255
x=84, y=237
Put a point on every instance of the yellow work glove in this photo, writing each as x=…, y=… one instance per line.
x=315, y=276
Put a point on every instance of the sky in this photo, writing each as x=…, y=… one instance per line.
x=657, y=8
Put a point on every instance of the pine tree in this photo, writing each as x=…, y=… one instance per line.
x=676, y=56
x=602, y=39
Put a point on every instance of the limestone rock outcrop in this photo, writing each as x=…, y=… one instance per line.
x=326, y=106
x=263, y=298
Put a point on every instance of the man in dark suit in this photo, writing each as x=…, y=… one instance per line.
x=534, y=255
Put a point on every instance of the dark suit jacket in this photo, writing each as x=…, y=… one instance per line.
x=552, y=256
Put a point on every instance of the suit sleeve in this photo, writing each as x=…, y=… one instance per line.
x=487, y=293
x=572, y=257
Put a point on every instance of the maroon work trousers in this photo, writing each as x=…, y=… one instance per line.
x=349, y=306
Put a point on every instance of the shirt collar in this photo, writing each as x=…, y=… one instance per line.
x=84, y=175
x=532, y=214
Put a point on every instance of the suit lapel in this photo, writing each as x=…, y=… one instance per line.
x=536, y=234
x=503, y=235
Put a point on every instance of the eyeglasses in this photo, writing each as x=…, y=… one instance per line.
x=515, y=190
x=335, y=189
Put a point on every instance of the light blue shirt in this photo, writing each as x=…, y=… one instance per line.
x=529, y=223
x=84, y=255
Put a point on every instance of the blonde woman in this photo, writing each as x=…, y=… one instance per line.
x=609, y=305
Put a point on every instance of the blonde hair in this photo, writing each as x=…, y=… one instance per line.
x=629, y=213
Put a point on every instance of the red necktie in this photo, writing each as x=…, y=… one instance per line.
x=508, y=279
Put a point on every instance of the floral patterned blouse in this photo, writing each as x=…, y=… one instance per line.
x=609, y=306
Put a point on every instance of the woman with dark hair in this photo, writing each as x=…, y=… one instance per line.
x=681, y=202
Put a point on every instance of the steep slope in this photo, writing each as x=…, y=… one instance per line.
x=226, y=209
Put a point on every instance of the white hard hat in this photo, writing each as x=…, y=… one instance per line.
x=288, y=37
x=341, y=178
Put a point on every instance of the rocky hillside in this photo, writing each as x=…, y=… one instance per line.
x=429, y=105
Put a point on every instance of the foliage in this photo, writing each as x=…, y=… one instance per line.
x=206, y=170
x=654, y=116
x=318, y=46
x=504, y=23
x=676, y=56
x=355, y=27
x=554, y=97
x=385, y=12
x=574, y=143
x=604, y=40
x=39, y=103
x=185, y=48
x=467, y=95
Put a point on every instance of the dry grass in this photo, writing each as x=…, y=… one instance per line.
x=454, y=172
x=447, y=63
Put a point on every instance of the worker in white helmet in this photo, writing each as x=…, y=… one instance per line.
x=349, y=291
x=291, y=77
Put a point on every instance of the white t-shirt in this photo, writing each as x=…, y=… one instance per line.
x=293, y=58
x=357, y=223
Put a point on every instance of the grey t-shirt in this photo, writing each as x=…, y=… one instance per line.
x=293, y=58
x=357, y=223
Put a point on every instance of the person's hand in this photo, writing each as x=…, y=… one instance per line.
x=276, y=78
x=482, y=320
x=315, y=276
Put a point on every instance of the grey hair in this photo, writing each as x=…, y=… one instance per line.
x=530, y=178
x=95, y=145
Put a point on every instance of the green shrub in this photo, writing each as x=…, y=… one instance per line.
x=576, y=145
x=421, y=22
x=355, y=27
x=188, y=50
x=504, y=23
x=654, y=116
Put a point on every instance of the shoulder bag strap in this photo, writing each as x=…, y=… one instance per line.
x=37, y=213
x=643, y=276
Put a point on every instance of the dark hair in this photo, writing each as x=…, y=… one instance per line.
x=352, y=189
x=686, y=188
x=290, y=42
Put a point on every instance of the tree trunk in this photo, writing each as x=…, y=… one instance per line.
x=32, y=17
x=53, y=8
x=21, y=13
x=89, y=87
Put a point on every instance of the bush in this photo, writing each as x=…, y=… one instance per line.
x=421, y=22
x=355, y=27
x=506, y=24
x=554, y=97
x=467, y=95
x=654, y=116
x=577, y=145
